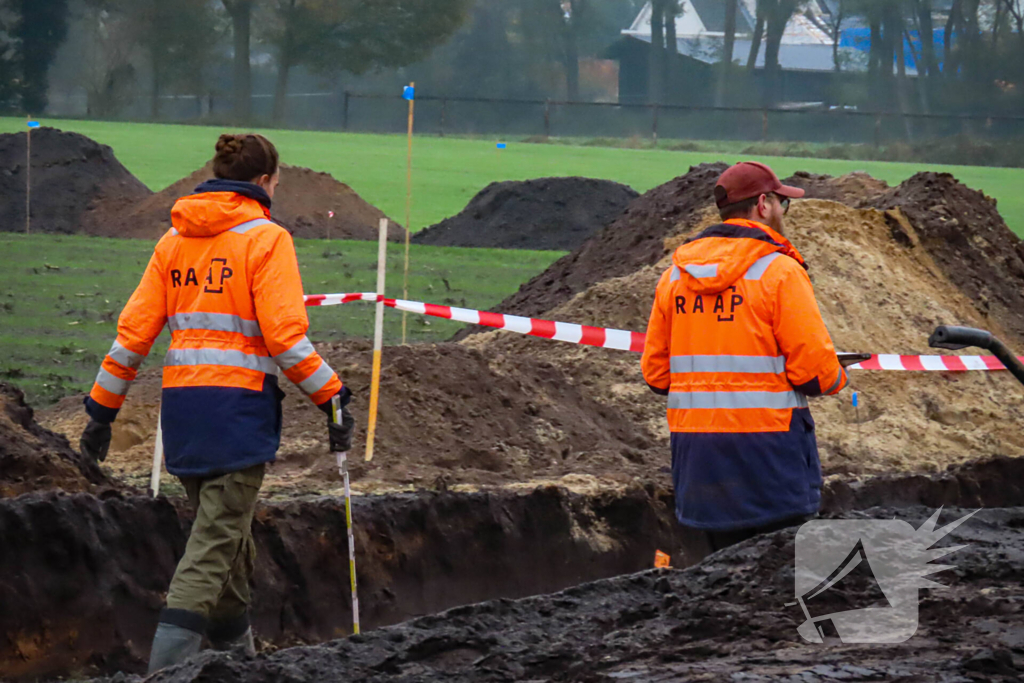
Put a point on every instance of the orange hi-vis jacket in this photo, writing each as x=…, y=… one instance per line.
x=737, y=343
x=225, y=281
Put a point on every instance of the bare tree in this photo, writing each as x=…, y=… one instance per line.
x=728, y=45
x=240, y=12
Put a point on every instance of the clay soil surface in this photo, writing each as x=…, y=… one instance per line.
x=733, y=617
x=302, y=203
x=546, y=213
x=446, y=418
x=77, y=183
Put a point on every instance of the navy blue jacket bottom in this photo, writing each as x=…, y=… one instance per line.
x=210, y=431
x=738, y=481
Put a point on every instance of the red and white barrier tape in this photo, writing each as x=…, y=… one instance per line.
x=624, y=340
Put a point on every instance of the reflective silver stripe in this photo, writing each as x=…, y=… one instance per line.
x=174, y=232
x=710, y=270
x=675, y=275
x=295, y=355
x=114, y=385
x=835, y=385
x=228, y=357
x=218, y=322
x=318, y=380
x=760, y=265
x=125, y=357
x=735, y=400
x=748, y=364
x=249, y=225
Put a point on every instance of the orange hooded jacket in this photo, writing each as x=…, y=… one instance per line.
x=226, y=281
x=737, y=343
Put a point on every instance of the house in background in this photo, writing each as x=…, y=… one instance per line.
x=806, y=54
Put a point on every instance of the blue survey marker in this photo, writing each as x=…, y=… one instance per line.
x=33, y=124
x=502, y=145
x=856, y=398
x=409, y=92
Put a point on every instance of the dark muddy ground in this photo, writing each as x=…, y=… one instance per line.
x=545, y=213
x=77, y=183
x=730, y=618
x=33, y=458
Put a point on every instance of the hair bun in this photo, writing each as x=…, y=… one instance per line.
x=244, y=157
x=230, y=144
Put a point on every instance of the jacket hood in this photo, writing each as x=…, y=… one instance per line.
x=722, y=254
x=218, y=206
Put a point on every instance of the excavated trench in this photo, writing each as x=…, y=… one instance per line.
x=83, y=576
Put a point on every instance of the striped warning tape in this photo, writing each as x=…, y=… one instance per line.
x=624, y=340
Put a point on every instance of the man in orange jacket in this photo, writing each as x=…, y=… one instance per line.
x=737, y=344
x=225, y=281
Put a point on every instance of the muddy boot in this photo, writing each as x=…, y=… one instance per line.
x=179, y=635
x=234, y=634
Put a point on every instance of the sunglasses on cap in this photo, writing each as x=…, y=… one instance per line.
x=783, y=202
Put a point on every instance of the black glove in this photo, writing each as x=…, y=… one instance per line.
x=95, y=441
x=341, y=434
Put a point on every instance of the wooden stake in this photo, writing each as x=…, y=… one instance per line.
x=158, y=457
x=408, y=206
x=378, y=337
x=28, y=183
x=349, y=526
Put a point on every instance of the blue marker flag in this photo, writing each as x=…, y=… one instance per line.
x=33, y=124
x=502, y=145
x=409, y=92
x=856, y=397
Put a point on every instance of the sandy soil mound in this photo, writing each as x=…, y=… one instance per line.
x=546, y=213
x=76, y=183
x=446, y=417
x=877, y=294
x=963, y=231
x=301, y=204
x=729, y=618
x=33, y=458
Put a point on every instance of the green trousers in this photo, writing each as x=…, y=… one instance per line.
x=212, y=578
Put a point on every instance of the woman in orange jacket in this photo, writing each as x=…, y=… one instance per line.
x=225, y=280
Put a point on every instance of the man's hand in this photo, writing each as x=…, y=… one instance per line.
x=95, y=441
x=341, y=434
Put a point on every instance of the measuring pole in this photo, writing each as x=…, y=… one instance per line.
x=349, y=527
x=28, y=176
x=410, y=94
x=158, y=457
x=378, y=336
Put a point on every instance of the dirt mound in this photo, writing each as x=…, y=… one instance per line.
x=634, y=240
x=968, y=239
x=725, y=619
x=877, y=294
x=853, y=189
x=446, y=417
x=546, y=213
x=77, y=183
x=302, y=204
x=35, y=459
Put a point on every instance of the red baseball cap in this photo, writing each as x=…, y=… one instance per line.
x=750, y=179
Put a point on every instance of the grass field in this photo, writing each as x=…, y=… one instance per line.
x=62, y=295
x=448, y=171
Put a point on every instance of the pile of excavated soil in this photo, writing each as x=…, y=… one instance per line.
x=963, y=231
x=854, y=189
x=547, y=213
x=634, y=240
x=733, y=617
x=76, y=183
x=446, y=417
x=33, y=458
x=302, y=204
x=880, y=291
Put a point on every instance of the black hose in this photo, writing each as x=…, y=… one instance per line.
x=951, y=337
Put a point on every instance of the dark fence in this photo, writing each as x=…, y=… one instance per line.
x=484, y=116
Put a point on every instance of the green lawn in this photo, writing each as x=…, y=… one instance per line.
x=449, y=171
x=62, y=295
